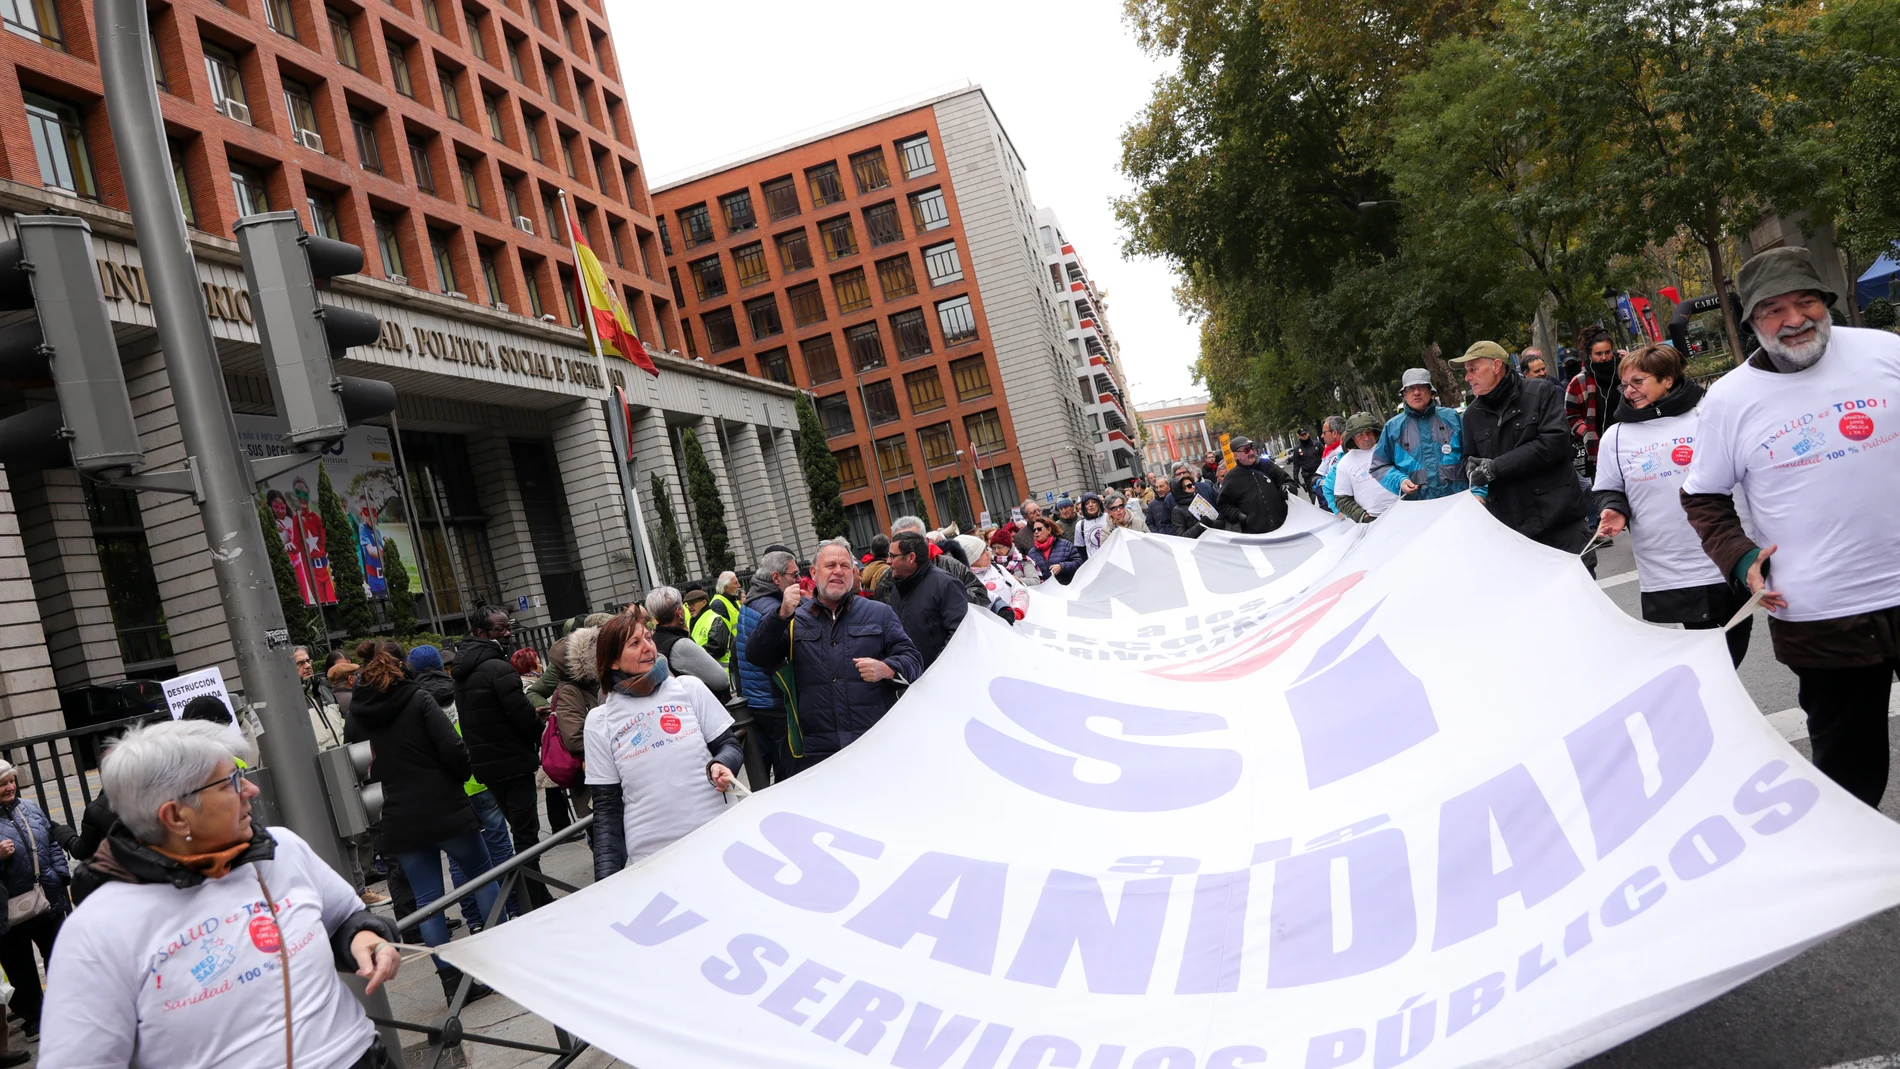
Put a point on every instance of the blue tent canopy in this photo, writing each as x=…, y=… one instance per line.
x=1877, y=282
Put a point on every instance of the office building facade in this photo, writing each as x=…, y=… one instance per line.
x=1177, y=432
x=1094, y=354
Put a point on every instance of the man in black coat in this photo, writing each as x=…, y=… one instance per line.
x=928, y=600
x=1517, y=451
x=1306, y=457
x=502, y=730
x=1253, y=495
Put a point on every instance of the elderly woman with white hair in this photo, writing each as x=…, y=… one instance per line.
x=203, y=942
x=34, y=870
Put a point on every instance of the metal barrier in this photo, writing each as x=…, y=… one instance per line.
x=55, y=767
x=540, y=638
x=448, y=1032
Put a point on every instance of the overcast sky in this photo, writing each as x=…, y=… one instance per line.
x=712, y=78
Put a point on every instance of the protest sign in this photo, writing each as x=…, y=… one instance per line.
x=181, y=689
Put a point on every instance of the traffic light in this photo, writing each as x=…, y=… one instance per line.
x=302, y=336
x=50, y=269
x=355, y=803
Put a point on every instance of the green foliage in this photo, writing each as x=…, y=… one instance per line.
x=402, y=604
x=353, y=613
x=1878, y=313
x=298, y=617
x=821, y=472
x=672, y=562
x=1858, y=58
x=709, y=512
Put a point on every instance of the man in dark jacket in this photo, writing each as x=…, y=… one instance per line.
x=502, y=730
x=1159, y=512
x=1517, y=451
x=851, y=651
x=1253, y=495
x=1306, y=457
x=928, y=601
x=778, y=569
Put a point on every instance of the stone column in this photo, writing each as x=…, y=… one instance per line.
x=708, y=431
x=583, y=450
x=654, y=448
x=516, y=572
x=75, y=610
x=765, y=523
x=781, y=458
x=29, y=697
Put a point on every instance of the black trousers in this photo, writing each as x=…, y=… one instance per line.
x=1847, y=723
x=517, y=795
x=16, y=957
x=771, y=729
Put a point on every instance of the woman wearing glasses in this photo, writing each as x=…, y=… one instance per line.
x=1641, y=461
x=206, y=939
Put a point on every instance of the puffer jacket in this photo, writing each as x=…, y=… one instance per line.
x=15, y=823
x=835, y=704
x=420, y=761
x=501, y=726
x=1519, y=427
x=1160, y=513
x=762, y=599
x=1062, y=552
x=579, y=691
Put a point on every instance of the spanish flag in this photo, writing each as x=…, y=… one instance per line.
x=611, y=324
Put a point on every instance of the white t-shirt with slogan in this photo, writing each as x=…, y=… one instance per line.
x=1647, y=461
x=655, y=748
x=1815, y=455
x=1353, y=478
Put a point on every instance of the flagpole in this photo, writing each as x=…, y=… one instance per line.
x=642, y=551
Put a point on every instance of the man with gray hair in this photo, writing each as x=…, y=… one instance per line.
x=1025, y=537
x=778, y=569
x=1804, y=431
x=715, y=626
x=1332, y=432
x=683, y=655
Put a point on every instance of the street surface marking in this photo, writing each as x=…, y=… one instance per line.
x=1616, y=580
x=1793, y=725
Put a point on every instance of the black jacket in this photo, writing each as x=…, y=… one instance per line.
x=1160, y=514
x=1184, y=522
x=835, y=704
x=438, y=685
x=420, y=761
x=502, y=729
x=1520, y=427
x=1253, y=498
x=931, y=604
x=1306, y=457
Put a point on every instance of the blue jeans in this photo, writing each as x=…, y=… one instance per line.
x=500, y=849
x=424, y=869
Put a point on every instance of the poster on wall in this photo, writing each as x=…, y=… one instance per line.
x=362, y=469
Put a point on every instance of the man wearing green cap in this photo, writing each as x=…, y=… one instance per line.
x=1355, y=494
x=1807, y=431
x=1519, y=451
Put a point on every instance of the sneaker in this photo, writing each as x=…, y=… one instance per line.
x=375, y=898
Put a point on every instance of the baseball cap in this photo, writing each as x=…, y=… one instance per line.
x=1239, y=442
x=1415, y=376
x=1482, y=350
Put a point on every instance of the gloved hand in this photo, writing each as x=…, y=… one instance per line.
x=1480, y=471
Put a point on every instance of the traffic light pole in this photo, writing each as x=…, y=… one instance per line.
x=239, y=557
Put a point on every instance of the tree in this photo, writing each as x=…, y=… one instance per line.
x=709, y=512
x=298, y=617
x=1858, y=57
x=672, y=562
x=346, y=572
x=821, y=472
x=402, y=604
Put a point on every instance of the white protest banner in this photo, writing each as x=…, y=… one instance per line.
x=181, y=689
x=1361, y=832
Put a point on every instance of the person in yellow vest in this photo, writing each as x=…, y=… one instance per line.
x=717, y=622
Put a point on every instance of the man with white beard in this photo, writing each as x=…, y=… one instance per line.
x=1808, y=433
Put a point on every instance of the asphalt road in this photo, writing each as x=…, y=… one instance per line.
x=1838, y=1005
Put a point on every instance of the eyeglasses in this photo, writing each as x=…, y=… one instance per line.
x=238, y=775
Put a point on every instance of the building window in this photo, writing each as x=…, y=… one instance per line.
x=709, y=280
x=985, y=431
x=849, y=288
x=861, y=521
x=476, y=43
x=451, y=96
x=537, y=307
x=749, y=262
x=550, y=212
x=925, y=389
x=913, y=336
x=942, y=264
x=151, y=39
x=953, y=499
x=868, y=168
x=737, y=208
x=419, y=161
x=343, y=40
x=794, y=251
x=840, y=240
x=895, y=277
x=247, y=185
x=880, y=221
x=184, y=187
x=534, y=139
x=368, y=152
x=59, y=139
x=825, y=187
x=776, y=364
x=928, y=210
x=957, y=319
x=399, y=71
x=1075, y=271
x=918, y=160
x=666, y=236
x=514, y=45
x=851, y=474
x=721, y=332
x=432, y=15
x=893, y=456
x=567, y=157
x=491, y=278
x=280, y=16
x=821, y=359
x=781, y=198
x=762, y=313
x=972, y=378
x=444, y=263
x=808, y=304
x=696, y=225
x=323, y=218
x=1048, y=242
x=35, y=20
x=303, y=115
x=940, y=446
x=471, y=188
x=389, y=245
x=227, y=85
x=835, y=413
x=866, y=346
x=491, y=104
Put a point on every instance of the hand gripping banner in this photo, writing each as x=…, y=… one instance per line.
x=1291, y=800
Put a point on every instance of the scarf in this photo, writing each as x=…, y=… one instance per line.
x=641, y=685
x=213, y=865
x=1044, y=545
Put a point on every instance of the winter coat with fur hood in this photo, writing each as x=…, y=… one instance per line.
x=579, y=690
